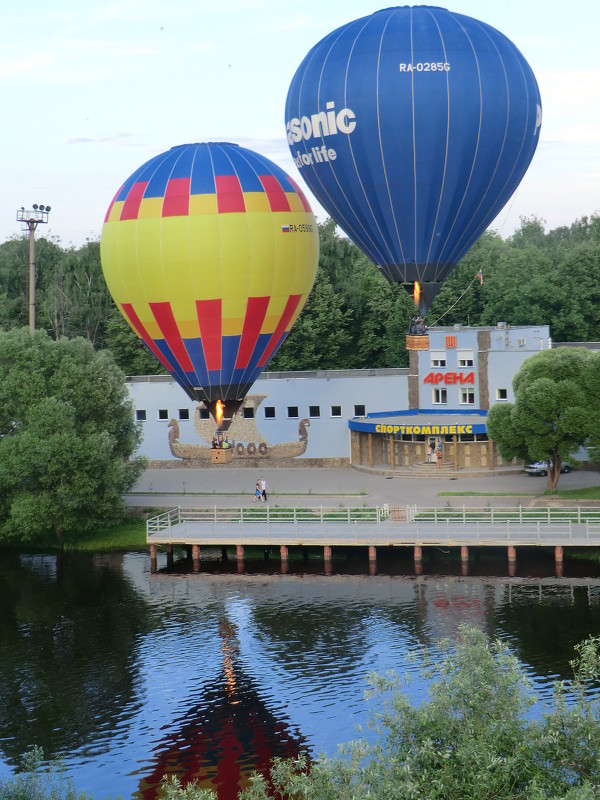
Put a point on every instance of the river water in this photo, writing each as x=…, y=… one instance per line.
x=127, y=675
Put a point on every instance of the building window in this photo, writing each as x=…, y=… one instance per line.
x=184, y=413
x=269, y=412
x=440, y=397
x=140, y=414
x=204, y=413
x=467, y=396
x=501, y=394
x=248, y=412
x=336, y=411
x=314, y=411
x=292, y=411
x=360, y=411
x=163, y=413
x=465, y=358
x=438, y=358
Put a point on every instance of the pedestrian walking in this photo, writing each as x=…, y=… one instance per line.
x=257, y=491
x=263, y=489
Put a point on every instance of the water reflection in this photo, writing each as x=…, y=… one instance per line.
x=232, y=733
x=129, y=675
x=67, y=633
x=557, y=613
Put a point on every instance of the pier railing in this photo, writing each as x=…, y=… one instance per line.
x=391, y=524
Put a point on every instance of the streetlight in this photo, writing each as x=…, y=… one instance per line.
x=32, y=219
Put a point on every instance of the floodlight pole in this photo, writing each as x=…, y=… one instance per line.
x=31, y=219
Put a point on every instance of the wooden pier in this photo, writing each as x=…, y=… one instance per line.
x=381, y=526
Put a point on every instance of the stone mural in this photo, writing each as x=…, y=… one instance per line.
x=240, y=433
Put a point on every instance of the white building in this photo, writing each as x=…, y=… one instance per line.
x=380, y=416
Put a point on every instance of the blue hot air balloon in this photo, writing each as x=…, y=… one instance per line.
x=412, y=127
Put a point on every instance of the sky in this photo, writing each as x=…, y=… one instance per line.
x=90, y=91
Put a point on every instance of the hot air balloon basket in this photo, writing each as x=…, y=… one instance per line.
x=417, y=342
x=218, y=456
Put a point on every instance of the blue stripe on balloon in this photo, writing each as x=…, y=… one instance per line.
x=202, y=177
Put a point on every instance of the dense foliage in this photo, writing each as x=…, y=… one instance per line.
x=555, y=410
x=67, y=434
x=354, y=318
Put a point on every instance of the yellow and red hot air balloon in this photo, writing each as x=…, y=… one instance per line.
x=210, y=251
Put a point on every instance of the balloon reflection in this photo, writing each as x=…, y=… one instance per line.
x=228, y=736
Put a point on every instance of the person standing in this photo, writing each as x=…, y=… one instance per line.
x=438, y=454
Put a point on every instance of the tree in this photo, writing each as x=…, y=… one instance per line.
x=129, y=351
x=36, y=783
x=319, y=336
x=555, y=409
x=67, y=435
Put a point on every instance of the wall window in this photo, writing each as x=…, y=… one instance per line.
x=465, y=358
x=269, y=412
x=292, y=411
x=314, y=411
x=438, y=358
x=248, y=412
x=184, y=413
x=501, y=394
x=467, y=396
x=360, y=410
x=140, y=415
x=204, y=413
x=163, y=413
x=440, y=397
x=336, y=411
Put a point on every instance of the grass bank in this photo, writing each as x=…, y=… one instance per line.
x=574, y=495
x=128, y=536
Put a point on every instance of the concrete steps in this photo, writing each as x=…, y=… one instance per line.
x=424, y=470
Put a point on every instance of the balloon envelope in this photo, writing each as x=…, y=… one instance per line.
x=210, y=251
x=412, y=127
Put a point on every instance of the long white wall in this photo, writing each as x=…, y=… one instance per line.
x=328, y=399
x=332, y=392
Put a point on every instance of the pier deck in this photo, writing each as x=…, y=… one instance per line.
x=382, y=526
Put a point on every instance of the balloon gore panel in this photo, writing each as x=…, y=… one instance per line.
x=412, y=127
x=210, y=251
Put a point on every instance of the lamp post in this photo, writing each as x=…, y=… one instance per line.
x=31, y=220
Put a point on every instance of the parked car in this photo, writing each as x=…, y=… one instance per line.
x=541, y=468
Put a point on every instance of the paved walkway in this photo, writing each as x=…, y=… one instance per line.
x=316, y=486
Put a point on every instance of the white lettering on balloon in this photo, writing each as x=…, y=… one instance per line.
x=538, y=118
x=323, y=123
x=425, y=66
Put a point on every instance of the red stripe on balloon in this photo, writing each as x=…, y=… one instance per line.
x=256, y=310
x=112, y=202
x=210, y=322
x=229, y=194
x=163, y=314
x=177, y=198
x=300, y=194
x=144, y=335
x=131, y=206
x=288, y=312
x=275, y=194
